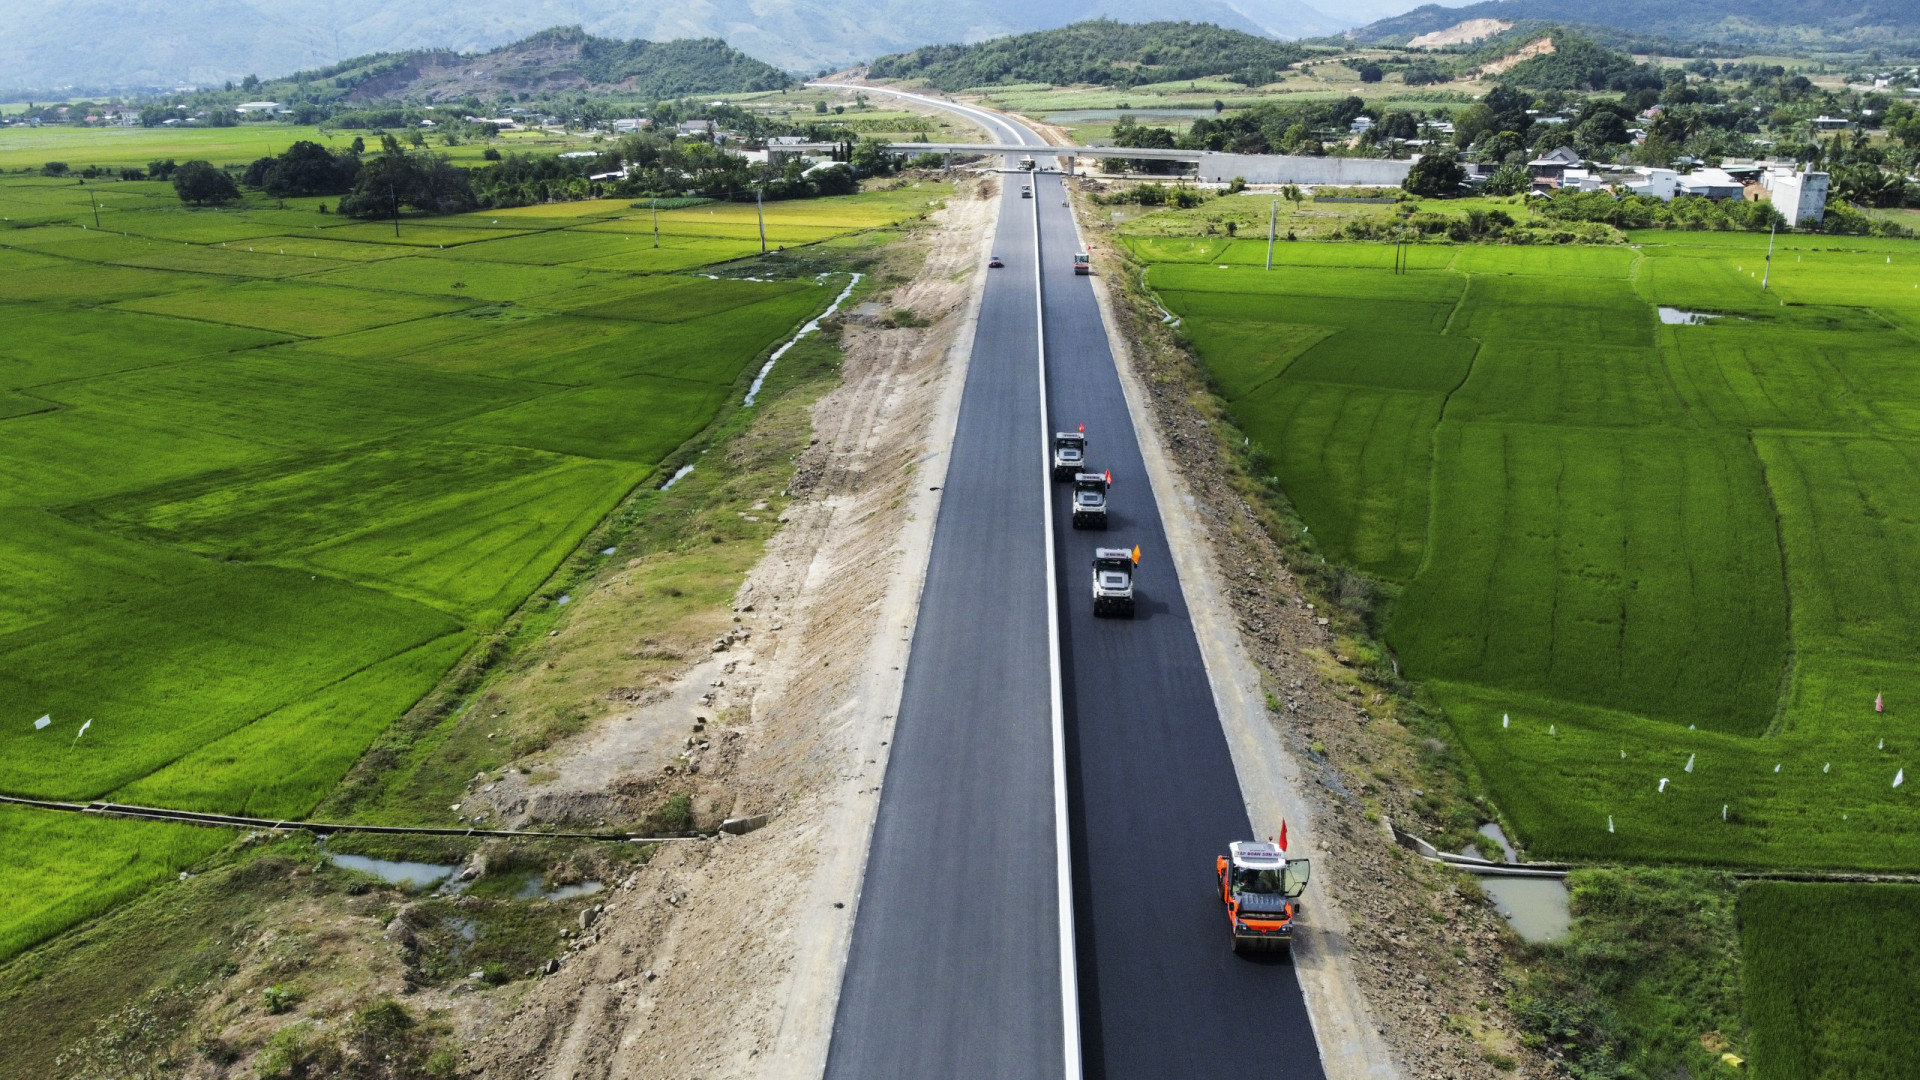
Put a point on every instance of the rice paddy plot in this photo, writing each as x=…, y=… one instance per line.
x=1829, y=974
x=598, y=421
x=1626, y=546
x=60, y=869
x=44, y=344
x=1632, y=570
x=229, y=559
x=1566, y=313
x=459, y=278
x=289, y=400
x=663, y=299
x=1580, y=782
x=69, y=455
x=1590, y=383
x=282, y=764
x=304, y=308
x=416, y=235
x=152, y=679
x=481, y=555
x=1355, y=462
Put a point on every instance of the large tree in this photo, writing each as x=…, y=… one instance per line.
x=198, y=183
x=1435, y=174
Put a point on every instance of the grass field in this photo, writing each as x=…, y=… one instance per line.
x=1830, y=974
x=1655, y=573
x=124, y=147
x=268, y=474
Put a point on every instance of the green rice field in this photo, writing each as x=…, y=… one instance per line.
x=1829, y=975
x=267, y=474
x=1656, y=571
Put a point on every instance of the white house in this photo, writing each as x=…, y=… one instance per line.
x=1799, y=196
x=1654, y=183
x=1712, y=184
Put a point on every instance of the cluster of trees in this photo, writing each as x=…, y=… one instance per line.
x=306, y=168
x=1274, y=127
x=1577, y=62
x=1640, y=212
x=1098, y=51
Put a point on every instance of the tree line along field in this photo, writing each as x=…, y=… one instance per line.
x=133, y=147
x=266, y=474
x=1623, y=549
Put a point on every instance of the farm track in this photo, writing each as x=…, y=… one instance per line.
x=323, y=828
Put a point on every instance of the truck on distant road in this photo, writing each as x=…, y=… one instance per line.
x=1261, y=888
x=1026, y=162
x=1069, y=453
x=1113, y=581
x=1090, y=499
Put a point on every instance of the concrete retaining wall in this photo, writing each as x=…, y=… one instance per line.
x=1287, y=169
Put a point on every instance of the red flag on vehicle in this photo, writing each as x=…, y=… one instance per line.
x=1283, y=834
x=1083, y=429
x=1109, y=477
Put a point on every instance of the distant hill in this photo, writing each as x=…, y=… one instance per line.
x=1892, y=26
x=557, y=60
x=100, y=44
x=1099, y=51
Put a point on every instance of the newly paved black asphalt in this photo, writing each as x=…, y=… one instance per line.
x=1152, y=791
x=954, y=965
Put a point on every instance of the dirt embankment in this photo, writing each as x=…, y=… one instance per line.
x=1461, y=33
x=1428, y=955
x=1542, y=47
x=722, y=958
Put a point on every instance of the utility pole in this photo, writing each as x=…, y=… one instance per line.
x=395, y=193
x=1768, y=273
x=656, y=221
x=1273, y=225
x=760, y=211
x=95, y=203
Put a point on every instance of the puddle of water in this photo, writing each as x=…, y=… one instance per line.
x=1677, y=317
x=675, y=478
x=416, y=875
x=1536, y=907
x=532, y=890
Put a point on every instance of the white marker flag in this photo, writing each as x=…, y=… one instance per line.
x=1505, y=720
x=1609, y=822
x=40, y=724
x=82, y=731
x=1663, y=783
x=1899, y=778
x=1690, y=762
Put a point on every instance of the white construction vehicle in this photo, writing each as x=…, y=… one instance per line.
x=1113, y=581
x=1069, y=453
x=1090, y=499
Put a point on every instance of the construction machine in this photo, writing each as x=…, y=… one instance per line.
x=1113, y=581
x=1069, y=453
x=1261, y=888
x=1090, y=499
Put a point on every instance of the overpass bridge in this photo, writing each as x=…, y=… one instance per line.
x=1209, y=165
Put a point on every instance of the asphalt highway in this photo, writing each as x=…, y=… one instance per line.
x=1152, y=791
x=954, y=967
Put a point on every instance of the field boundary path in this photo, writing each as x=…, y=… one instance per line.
x=191, y=817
